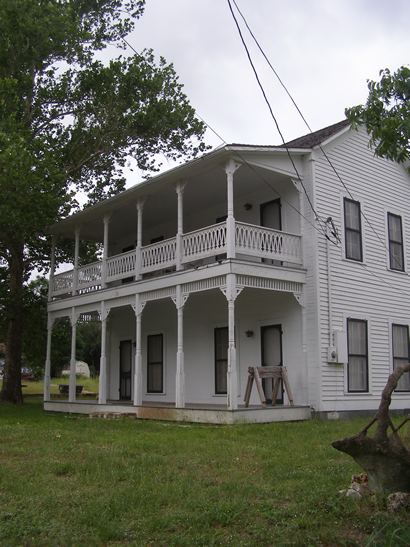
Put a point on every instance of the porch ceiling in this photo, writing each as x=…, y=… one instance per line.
x=206, y=185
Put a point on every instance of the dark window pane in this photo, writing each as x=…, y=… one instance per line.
x=155, y=364
x=352, y=214
x=221, y=359
x=395, y=242
x=353, y=245
x=357, y=372
x=353, y=230
x=400, y=334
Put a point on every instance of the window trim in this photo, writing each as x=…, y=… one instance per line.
x=216, y=392
x=401, y=243
x=366, y=390
x=394, y=324
x=356, y=231
x=150, y=392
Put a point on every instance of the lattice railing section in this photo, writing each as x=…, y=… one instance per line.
x=158, y=255
x=268, y=243
x=209, y=241
x=89, y=275
x=63, y=283
x=121, y=266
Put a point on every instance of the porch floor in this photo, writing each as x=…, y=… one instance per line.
x=193, y=412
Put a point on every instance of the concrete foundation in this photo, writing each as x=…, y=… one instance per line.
x=207, y=415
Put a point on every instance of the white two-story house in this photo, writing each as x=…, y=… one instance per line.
x=243, y=258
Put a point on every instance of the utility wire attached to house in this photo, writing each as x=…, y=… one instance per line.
x=318, y=219
x=250, y=166
x=306, y=122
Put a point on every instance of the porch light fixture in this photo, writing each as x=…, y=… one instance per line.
x=249, y=334
x=248, y=206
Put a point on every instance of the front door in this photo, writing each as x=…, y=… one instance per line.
x=271, y=350
x=125, y=369
x=271, y=217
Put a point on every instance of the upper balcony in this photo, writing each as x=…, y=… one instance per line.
x=197, y=246
x=216, y=208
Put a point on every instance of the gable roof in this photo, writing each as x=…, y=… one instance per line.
x=317, y=137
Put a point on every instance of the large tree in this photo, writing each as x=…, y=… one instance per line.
x=386, y=114
x=68, y=122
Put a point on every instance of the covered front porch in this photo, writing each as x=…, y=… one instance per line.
x=183, y=352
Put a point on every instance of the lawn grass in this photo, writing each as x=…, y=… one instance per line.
x=70, y=480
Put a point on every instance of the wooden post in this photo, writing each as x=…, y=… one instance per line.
x=76, y=255
x=232, y=374
x=102, y=384
x=47, y=368
x=230, y=169
x=106, y=221
x=73, y=360
x=179, y=249
x=180, y=371
x=138, y=258
x=52, y=268
x=138, y=309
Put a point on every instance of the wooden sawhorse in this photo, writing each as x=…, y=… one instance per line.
x=276, y=374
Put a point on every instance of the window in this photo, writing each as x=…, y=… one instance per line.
x=400, y=343
x=395, y=230
x=353, y=230
x=221, y=359
x=155, y=363
x=357, y=347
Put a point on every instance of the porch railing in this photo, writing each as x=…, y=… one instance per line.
x=268, y=243
x=158, y=256
x=211, y=241
x=121, y=266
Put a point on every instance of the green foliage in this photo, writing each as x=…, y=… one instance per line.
x=386, y=114
x=34, y=342
x=69, y=122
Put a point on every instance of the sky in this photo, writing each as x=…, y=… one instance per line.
x=324, y=51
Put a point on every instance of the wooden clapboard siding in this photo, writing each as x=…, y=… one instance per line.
x=380, y=186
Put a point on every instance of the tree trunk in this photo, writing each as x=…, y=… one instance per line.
x=11, y=390
x=384, y=457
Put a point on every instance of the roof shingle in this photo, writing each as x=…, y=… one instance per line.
x=317, y=137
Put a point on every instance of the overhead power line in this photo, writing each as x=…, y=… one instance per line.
x=250, y=166
x=273, y=115
x=307, y=124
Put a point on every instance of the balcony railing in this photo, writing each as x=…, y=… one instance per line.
x=208, y=242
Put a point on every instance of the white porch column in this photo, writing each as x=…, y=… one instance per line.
x=138, y=309
x=179, y=301
x=231, y=294
x=102, y=384
x=76, y=254
x=52, y=268
x=47, y=368
x=179, y=249
x=138, y=258
x=230, y=169
x=73, y=360
x=106, y=221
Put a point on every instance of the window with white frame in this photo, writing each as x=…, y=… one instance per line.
x=396, y=251
x=358, y=356
x=353, y=230
x=400, y=346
